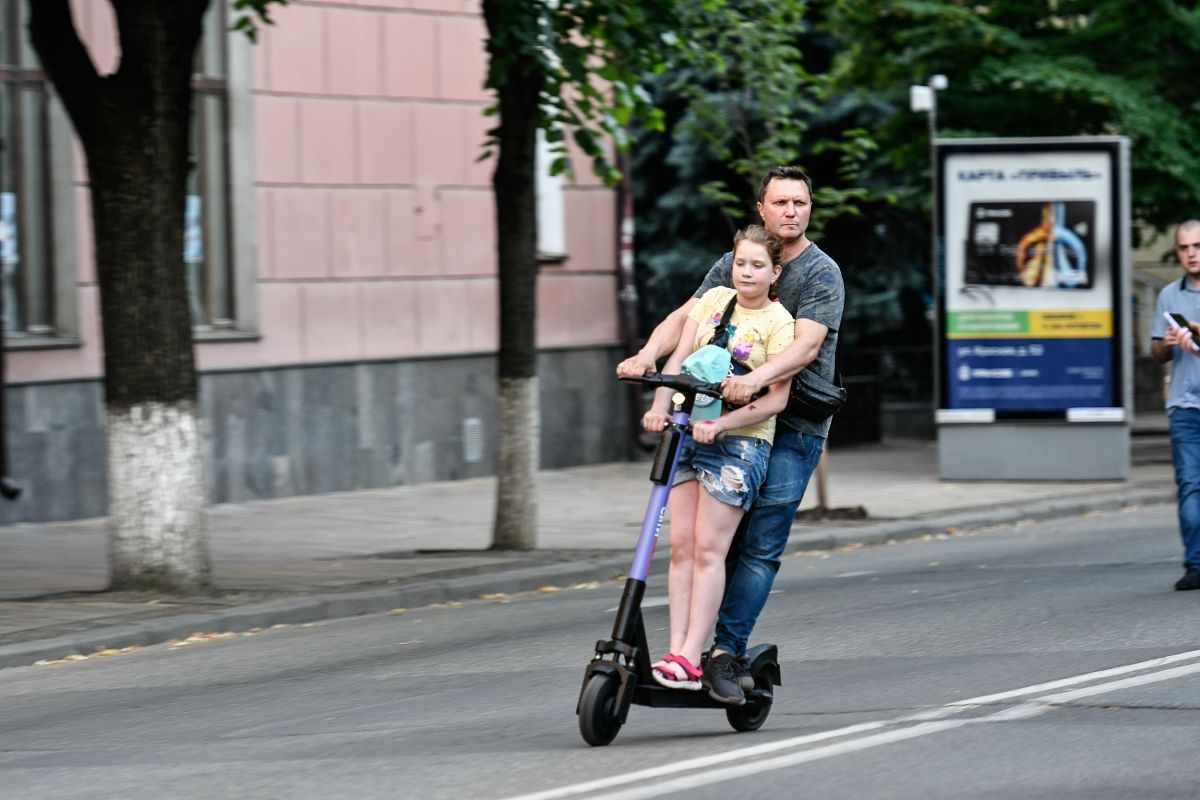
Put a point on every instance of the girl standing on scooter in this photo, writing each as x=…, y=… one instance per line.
x=731, y=470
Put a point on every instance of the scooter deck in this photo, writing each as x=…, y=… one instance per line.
x=651, y=694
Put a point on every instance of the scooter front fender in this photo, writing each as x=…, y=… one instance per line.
x=620, y=673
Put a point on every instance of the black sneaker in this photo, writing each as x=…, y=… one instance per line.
x=1189, y=581
x=722, y=681
x=741, y=668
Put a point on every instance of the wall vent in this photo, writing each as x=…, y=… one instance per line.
x=472, y=435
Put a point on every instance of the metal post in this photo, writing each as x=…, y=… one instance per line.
x=627, y=296
x=934, y=232
x=924, y=98
x=8, y=489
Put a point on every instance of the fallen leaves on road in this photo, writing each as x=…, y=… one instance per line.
x=113, y=651
x=506, y=597
x=201, y=636
x=195, y=638
x=102, y=652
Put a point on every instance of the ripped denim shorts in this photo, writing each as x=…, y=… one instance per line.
x=732, y=470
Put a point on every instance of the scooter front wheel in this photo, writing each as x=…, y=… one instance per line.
x=598, y=721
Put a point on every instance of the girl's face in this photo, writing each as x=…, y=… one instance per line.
x=753, y=271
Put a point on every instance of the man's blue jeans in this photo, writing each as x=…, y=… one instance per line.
x=794, y=456
x=1185, y=452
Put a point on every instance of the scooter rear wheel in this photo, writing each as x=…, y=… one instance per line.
x=751, y=716
x=598, y=720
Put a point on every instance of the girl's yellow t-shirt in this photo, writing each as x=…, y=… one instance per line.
x=754, y=334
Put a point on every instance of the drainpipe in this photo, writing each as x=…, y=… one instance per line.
x=627, y=294
x=8, y=489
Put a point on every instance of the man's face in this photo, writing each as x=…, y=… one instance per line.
x=785, y=209
x=1187, y=247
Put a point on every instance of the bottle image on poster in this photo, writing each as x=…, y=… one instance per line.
x=1046, y=245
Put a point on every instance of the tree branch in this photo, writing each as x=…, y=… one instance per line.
x=66, y=60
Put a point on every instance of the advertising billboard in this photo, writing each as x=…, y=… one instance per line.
x=1028, y=278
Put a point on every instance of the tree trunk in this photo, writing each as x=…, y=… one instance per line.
x=134, y=128
x=515, y=524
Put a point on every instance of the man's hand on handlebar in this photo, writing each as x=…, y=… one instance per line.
x=739, y=390
x=635, y=366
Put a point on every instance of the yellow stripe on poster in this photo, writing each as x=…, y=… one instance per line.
x=1070, y=324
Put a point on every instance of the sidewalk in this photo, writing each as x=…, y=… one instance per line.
x=309, y=558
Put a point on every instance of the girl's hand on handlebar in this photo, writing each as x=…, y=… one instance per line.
x=706, y=432
x=635, y=366
x=655, y=421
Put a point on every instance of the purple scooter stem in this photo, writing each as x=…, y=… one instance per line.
x=656, y=509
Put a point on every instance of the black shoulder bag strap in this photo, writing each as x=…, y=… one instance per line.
x=837, y=362
x=720, y=333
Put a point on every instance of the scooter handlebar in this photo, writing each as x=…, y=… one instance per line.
x=682, y=382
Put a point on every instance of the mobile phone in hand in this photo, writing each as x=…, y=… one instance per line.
x=1182, y=322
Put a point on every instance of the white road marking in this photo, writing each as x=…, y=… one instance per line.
x=1033, y=708
x=648, y=602
x=1104, y=688
x=759, y=767
x=929, y=722
x=1077, y=679
x=695, y=763
x=857, y=574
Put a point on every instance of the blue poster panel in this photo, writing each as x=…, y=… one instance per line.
x=1029, y=374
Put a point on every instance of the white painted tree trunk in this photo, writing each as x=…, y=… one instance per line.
x=157, y=532
x=515, y=525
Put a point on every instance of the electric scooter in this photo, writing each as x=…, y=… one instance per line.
x=619, y=673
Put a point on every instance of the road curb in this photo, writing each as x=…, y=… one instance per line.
x=972, y=519
x=334, y=605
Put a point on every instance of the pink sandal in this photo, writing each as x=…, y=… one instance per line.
x=666, y=672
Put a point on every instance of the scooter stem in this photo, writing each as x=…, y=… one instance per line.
x=656, y=509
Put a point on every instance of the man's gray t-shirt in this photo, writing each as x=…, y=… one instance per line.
x=810, y=287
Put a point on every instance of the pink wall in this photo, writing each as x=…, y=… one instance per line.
x=375, y=222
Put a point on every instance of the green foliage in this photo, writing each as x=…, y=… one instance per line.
x=249, y=14
x=592, y=55
x=750, y=91
x=750, y=100
x=1024, y=68
x=824, y=84
x=746, y=90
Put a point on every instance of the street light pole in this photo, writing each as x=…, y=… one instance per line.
x=924, y=98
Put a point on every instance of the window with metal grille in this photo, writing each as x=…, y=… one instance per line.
x=34, y=191
x=26, y=276
x=207, y=252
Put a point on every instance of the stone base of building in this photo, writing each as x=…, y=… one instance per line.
x=291, y=431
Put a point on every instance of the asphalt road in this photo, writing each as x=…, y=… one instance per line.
x=1039, y=661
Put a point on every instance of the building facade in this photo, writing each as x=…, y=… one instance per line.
x=340, y=255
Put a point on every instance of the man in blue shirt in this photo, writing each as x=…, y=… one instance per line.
x=1171, y=342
